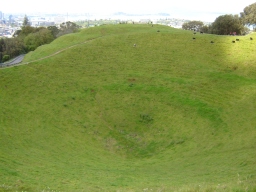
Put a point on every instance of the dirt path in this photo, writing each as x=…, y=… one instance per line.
x=18, y=60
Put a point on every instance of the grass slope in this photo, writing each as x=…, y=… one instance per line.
x=171, y=114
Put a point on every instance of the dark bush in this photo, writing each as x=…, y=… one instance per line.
x=146, y=118
x=6, y=58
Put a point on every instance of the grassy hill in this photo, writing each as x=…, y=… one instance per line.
x=171, y=114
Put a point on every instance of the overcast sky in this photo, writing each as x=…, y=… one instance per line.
x=204, y=10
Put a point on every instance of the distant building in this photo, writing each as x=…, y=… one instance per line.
x=1, y=15
x=10, y=19
x=59, y=20
x=39, y=21
x=47, y=24
x=130, y=21
x=145, y=21
x=1, y=31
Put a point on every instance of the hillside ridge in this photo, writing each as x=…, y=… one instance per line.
x=171, y=114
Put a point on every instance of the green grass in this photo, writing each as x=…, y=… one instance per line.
x=171, y=114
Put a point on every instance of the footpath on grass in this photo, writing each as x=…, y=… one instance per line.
x=18, y=60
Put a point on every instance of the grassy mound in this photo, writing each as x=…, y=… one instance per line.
x=172, y=113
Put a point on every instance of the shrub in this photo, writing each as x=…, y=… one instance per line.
x=6, y=58
x=146, y=118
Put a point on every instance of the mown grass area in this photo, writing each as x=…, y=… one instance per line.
x=171, y=114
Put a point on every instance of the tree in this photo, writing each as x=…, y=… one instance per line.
x=26, y=30
x=54, y=30
x=248, y=16
x=25, y=21
x=193, y=25
x=13, y=47
x=67, y=27
x=226, y=24
x=31, y=42
x=1, y=48
x=41, y=37
x=204, y=29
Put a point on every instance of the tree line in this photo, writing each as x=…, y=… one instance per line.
x=28, y=38
x=227, y=24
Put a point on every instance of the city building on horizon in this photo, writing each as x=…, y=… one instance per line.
x=59, y=19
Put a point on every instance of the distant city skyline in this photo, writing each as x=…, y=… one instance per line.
x=187, y=9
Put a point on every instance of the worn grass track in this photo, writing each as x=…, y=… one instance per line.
x=171, y=114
